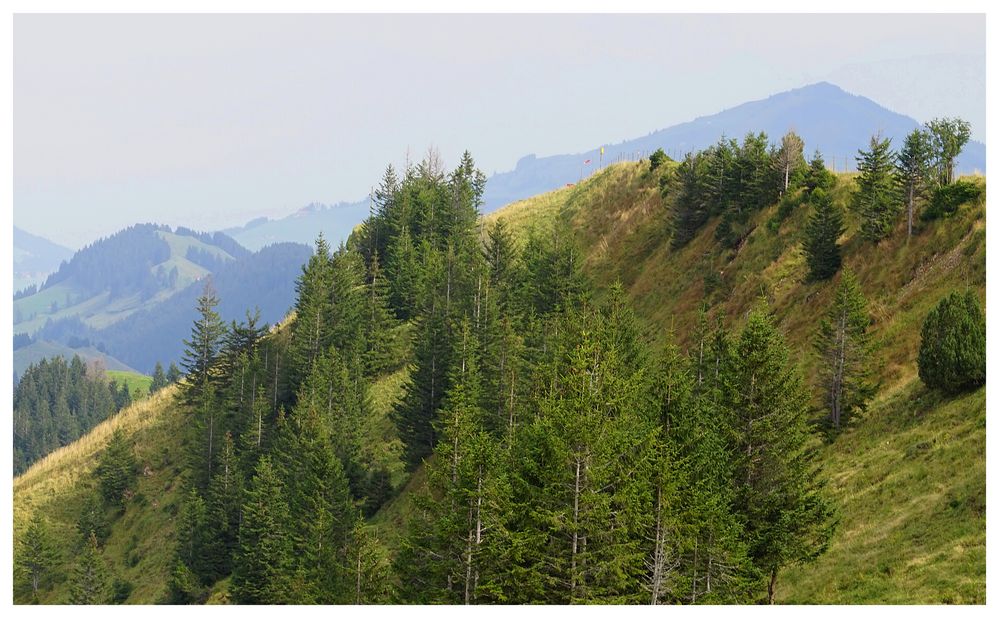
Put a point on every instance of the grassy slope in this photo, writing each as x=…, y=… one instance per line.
x=138, y=548
x=909, y=477
x=137, y=382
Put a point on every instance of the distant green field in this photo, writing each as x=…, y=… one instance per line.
x=136, y=381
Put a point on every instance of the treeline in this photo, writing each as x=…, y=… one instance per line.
x=56, y=402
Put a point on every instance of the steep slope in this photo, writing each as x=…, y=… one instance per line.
x=829, y=119
x=908, y=477
x=58, y=486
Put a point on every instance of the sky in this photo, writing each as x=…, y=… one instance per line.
x=209, y=121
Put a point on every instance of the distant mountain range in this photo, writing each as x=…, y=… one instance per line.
x=129, y=299
x=829, y=119
x=336, y=222
x=35, y=258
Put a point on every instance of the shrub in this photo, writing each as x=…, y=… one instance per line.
x=947, y=199
x=657, y=158
x=952, y=352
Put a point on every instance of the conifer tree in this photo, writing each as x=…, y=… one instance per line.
x=818, y=177
x=201, y=350
x=159, y=378
x=952, y=350
x=843, y=346
x=93, y=519
x=116, y=470
x=310, y=334
x=698, y=554
x=222, y=512
x=777, y=492
x=367, y=567
x=90, y=584
x=416, y=413
x=192, y=533
x=173, y=374
x=822, y=233
x=914, y=170
x=263, y=567
x=380, y=323
x=877, y=199
x=321, y=512
x=36, y=553
x=403, y=270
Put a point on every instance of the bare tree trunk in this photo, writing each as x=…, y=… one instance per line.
x=575, y=525
x=912, y=199
x=358, y=598
x=771, y=587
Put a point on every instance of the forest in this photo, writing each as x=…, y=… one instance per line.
x=569, y=455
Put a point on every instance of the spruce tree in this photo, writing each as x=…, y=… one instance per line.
x=321, y=511
x=222, y=512
x=201, y=350
x=843, y=346
x=36, y=553
x=263, y=568
x=173, y=374
x=93, y=519
x=952, y=350
x=822, y=232
x=90, y=584
x=877, y=198
x=818, y=177
x=914, y=170
x=116, y=471
x=380, y=323
x=310, y=333
x=776, y=491
x=192, y=532
x=159, y=378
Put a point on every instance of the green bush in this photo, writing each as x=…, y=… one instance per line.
x=947, y=199
x=657, y=158
x=952, y=352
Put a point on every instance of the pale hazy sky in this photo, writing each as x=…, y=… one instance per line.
x=211, y=120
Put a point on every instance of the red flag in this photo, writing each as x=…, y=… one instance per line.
x=586, y=162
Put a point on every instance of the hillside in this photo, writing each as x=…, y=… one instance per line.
x=36, y=351
x=107, y=296
x=59, y=484
x=114, y=277
x=335, y=222
x=907, y=477
x=831, y=120
x=35, y=258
